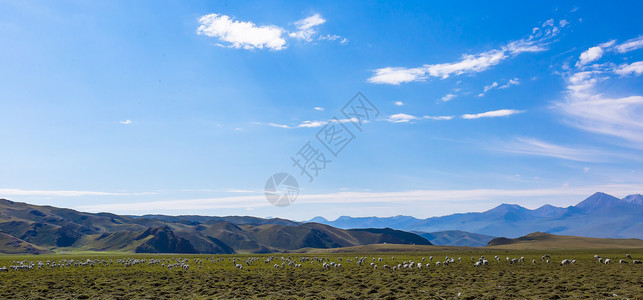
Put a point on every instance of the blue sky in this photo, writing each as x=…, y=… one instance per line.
x=188, y=107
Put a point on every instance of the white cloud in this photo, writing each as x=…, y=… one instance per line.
x=630, y=45
x=49, y=193
x=401, y=118
x=318, y=108
x=247, y=35
x=406, y=118
x=448, y=97
x=278, y=125
x=537, y=147
x=399, y=103
x=307, y=28
x=417, y=197
x=511, y=82
x=395, y=76
x=633, y=68
x=488, y=87
x=126, y=122
x=469, y=63
x=590, y=110
x=241, y=34
x=307, y=123
x=494, y=85
x=590, y=55
x=493, y=114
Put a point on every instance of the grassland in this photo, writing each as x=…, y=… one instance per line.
x=218, y=278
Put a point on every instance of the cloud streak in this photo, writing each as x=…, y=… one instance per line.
x=406, y=118
x=53, y=193
x=468, y=63
x=535, y=147
x=493, y=114
x=418, y=197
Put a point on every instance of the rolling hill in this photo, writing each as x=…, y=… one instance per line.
x=26, y=228
x=600, y=215
x=544, y=241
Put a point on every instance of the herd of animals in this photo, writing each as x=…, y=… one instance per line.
x=325, y=263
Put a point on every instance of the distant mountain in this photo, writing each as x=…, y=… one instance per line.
x=634, y=199
x=456, y=238
x=546, y=241
x=239, y=220
x=600, y=215
x=26, y=228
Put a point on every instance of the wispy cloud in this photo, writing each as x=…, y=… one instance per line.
x=635, y=68
x=406, y=118
x=307, y=28
x=399, y=103
x=306, y=124
x=126, y=122
x=586, y=107
x=514, y=81
x=318, y=108
x=418, y=197
x=630, y=45
x=495, y=85
x=54, y=193
x=247, y=35
x=448, y=97
x=531, y=146
x=469, y=63
x=493, y=114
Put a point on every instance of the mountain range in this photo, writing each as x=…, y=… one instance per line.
x=26, y=228
x=600, y=216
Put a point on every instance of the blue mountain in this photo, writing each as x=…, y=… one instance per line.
x=600, y=215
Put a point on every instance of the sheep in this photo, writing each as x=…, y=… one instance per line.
x=238, y=266
x=608, y=261
x=636, y=262
x=628, y=256
x=565, y=262
x=600, y=260
x=622, y=261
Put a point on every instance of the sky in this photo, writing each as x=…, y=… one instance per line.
x=189, y=107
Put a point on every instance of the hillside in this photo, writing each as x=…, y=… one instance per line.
x=26, y=228
x=544, y=241
x=600, y=215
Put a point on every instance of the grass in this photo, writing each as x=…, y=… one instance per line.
x=219, y=279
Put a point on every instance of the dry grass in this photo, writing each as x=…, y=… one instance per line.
x=221, y=280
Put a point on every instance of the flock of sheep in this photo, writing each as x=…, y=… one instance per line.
x=608, y=261
x=325, y=263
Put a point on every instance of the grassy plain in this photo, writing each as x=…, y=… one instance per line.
x=219, y=279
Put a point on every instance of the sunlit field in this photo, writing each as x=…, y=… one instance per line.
x=316, y=276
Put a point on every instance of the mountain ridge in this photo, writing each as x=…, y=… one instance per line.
x=26, y=228
x=599, y=215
